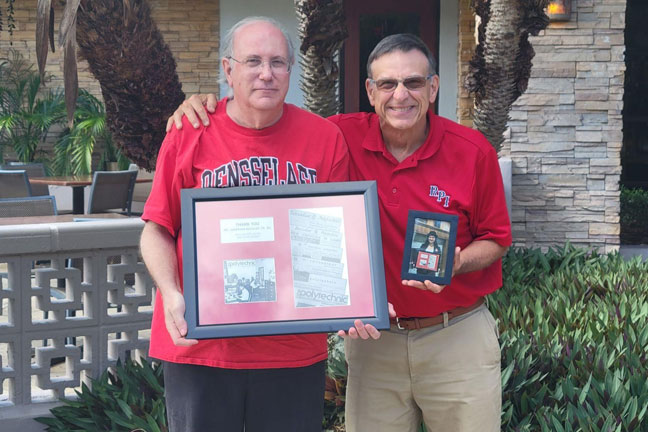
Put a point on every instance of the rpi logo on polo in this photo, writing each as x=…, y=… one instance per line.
x=440, y=195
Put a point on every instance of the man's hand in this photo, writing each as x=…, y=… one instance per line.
x=365, y=331
x=174, y=309
x=193, y=108
x=429, y=286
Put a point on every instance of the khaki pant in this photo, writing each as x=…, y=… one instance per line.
x=447, y=377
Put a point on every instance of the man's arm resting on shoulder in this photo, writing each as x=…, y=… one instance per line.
x=159, y=253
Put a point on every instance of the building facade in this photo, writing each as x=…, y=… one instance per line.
x=565, y=132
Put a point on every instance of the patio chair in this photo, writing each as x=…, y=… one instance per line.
x=14, y=184
x=112, y=190
x=33, y=169
x=28, y=206
x=141, y=191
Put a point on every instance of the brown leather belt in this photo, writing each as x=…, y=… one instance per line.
x=419, y=323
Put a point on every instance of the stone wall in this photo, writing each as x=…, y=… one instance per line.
x=566, y=132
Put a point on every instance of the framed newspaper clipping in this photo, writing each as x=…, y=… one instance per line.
x=266, y=260
x=429, y=247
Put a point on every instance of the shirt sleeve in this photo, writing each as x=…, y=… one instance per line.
x=491, y=218
x=163, y=203
x=340, y=168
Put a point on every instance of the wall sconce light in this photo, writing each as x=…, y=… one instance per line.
x=559, y=10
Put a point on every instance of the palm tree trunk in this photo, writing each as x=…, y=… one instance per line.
x=322, y=30
x=136, y=71
x=501, y=66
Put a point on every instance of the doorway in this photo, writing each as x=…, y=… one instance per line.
x=369, y=21
x=634, y=153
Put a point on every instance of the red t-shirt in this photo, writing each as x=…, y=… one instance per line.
x=300, y=148
x=455, y=171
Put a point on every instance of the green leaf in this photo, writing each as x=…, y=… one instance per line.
x=585, y=391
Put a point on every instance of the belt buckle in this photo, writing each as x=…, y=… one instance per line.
x=398, y=324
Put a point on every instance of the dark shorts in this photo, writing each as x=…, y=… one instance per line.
x=204, y=399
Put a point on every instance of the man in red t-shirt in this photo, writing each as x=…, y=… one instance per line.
x=257, y=384
x=440, y=361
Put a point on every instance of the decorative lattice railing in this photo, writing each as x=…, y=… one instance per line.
x=75, y=297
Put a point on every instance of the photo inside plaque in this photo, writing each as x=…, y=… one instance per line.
x=250, y=280
x=429, y=247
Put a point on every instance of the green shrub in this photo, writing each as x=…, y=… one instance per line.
x=574, y=354
x=634, y=216
x=130, y=398
x=574, y=341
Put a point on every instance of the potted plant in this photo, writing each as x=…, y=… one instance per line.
x=26, y=112
x=73, y=151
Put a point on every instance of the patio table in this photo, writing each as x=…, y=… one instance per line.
x=77, y=183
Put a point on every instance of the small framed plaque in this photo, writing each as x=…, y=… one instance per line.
x=267, y=260
x=429, y=247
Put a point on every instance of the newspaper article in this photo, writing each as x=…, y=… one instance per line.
x=319, y=260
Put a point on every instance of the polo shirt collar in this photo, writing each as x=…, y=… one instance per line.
x=373, y=141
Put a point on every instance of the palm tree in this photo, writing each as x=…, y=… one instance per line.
x=501, y=66
x=131, y=61
x=322, y=31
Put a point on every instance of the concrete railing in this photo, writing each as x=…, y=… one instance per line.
x=75, y=298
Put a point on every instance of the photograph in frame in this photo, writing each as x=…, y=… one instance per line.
x=287, y=259
x=249, y=280
x=429, y=247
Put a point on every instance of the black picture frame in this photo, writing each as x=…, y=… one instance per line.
x=368, y=297
x=435, y=262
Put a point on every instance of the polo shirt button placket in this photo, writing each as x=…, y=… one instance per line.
x=394, y=197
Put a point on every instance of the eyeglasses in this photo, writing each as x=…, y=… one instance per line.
x=278, y=65
x=410, y=83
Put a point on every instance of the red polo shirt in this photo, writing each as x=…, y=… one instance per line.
x=455, y=171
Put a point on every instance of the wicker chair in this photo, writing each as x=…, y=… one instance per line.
x=28, y=206
x=14, y=184
x=112, y=190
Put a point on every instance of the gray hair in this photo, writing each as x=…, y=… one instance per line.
x=404, y=42
x=228, y=42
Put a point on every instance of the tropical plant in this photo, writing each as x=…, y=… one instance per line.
x=128, y=398
x=73, y=151
x=128, y=56
x=501, y=66
x=322, y=31
x=335, y=386
x=111, y=154
x=26, y=111
x=574, y=343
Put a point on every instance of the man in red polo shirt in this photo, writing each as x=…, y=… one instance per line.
x=440, y=363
